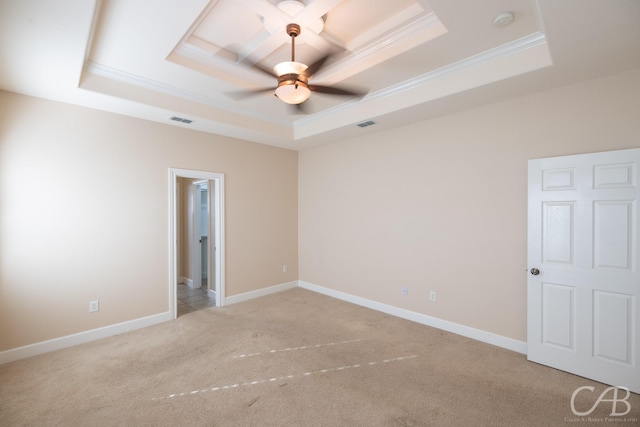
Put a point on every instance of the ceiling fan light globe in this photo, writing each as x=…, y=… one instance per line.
x=293, y=92
x=289, y=67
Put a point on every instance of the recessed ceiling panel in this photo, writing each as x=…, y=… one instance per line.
x=230, y=32
x=229, y=24
x=352, y=19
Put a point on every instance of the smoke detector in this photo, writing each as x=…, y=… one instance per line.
x=503, y=19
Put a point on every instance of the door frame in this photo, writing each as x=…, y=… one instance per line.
x=216, y=245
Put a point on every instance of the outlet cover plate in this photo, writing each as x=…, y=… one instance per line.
x=94, y=306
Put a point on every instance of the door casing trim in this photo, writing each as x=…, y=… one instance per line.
x=217, y=180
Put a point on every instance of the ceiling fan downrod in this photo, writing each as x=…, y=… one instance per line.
x=294, y=31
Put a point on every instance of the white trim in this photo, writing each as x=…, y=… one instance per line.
x=514, y=47
x=218, y=241
x=493, y=54
x=167, y=89
x=261, y=292
x=119, y=328
x=81, y=337
x=507, y=49
x=445, y=325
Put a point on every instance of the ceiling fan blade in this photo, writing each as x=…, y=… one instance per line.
x=240, y=95
x=316, y=66
x=258, y=47
x=257, y=66
x=337, y=91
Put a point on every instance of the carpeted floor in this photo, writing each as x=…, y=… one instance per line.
x=292, y=359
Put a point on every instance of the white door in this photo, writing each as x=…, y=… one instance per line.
x=583, y=280
x=196, y=235
x=204, y=234
x=206, y=213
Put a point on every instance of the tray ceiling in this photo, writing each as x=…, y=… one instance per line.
x=157, y=59
x=230, y=33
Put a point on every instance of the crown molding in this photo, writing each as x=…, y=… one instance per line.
x=506, y=50
x=120, y=76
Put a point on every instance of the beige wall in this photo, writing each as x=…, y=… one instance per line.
x=84, y=215
x=442, y=205
x=439, y=205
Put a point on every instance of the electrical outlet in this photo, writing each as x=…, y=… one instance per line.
x=405, y=291
x=432, y=296
x=94, y=306
x=285, y=268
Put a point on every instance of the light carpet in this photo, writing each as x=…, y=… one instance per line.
x=295, y=358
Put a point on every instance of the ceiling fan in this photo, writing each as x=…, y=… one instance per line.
x=293, y=77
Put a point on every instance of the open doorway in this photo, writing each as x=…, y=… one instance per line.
x=197, y=208
x=196, y=233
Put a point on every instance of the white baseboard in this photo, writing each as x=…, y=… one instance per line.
x=188, y=282
x=182, y=280
x=107, y=331
x=260, y=292
x=456, y=328
x=80, y=338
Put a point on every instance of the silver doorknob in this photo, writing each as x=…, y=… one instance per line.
x=535, y=271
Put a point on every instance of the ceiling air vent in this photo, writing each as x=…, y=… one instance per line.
x=180, y=119
x=367, y=123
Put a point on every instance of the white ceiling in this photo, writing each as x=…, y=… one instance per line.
x=155, y=59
